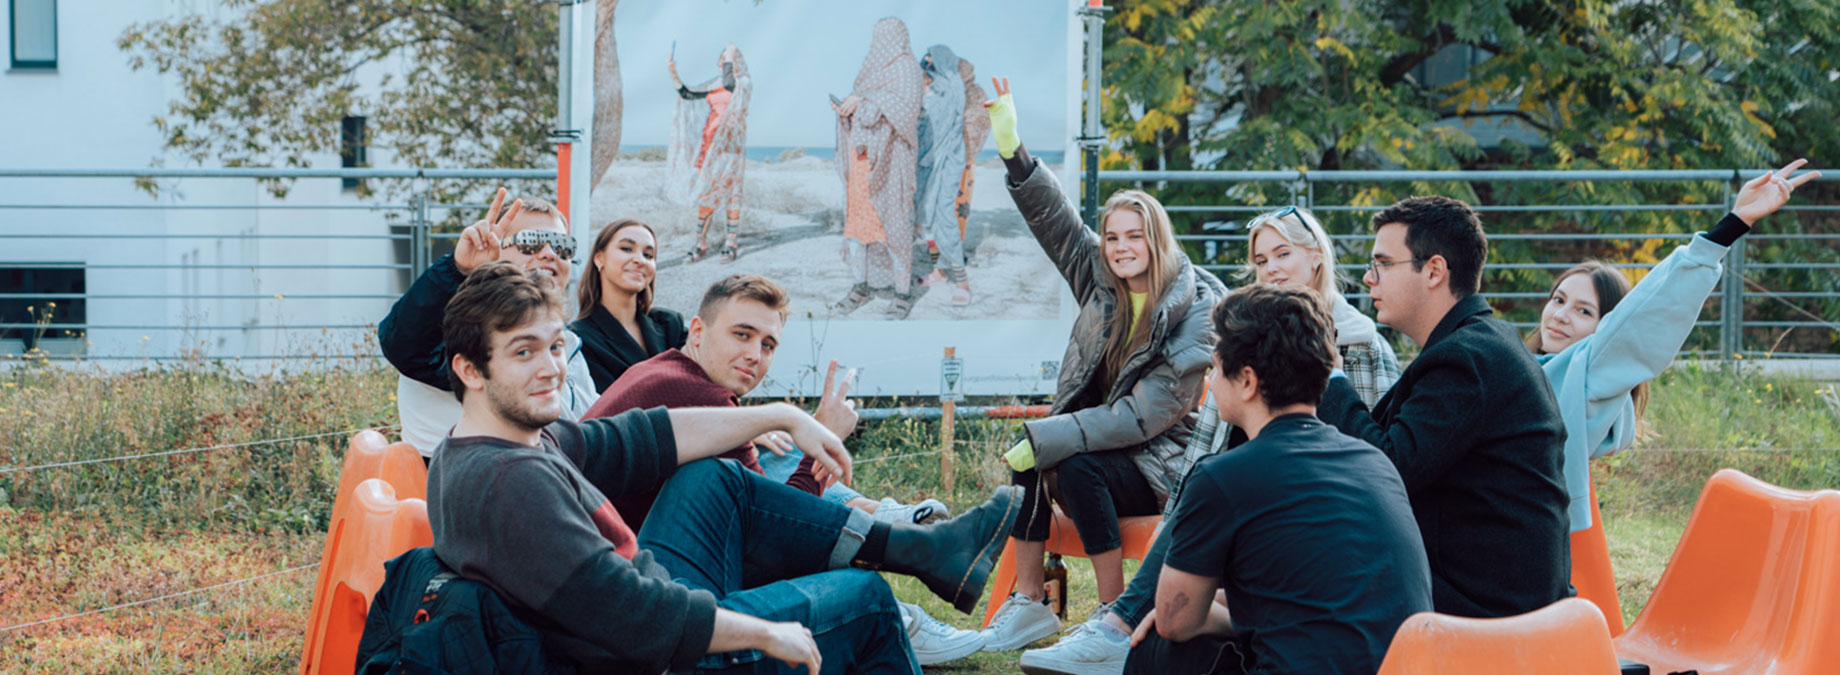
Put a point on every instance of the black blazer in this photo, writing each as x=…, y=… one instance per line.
x=1474, y=428
x=610, y=350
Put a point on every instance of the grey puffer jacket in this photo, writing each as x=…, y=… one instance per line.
x=1151, y=406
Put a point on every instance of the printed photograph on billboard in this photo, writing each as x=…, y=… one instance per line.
x=841, y=149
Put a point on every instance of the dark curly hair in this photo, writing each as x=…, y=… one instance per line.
x=1285, y=334
x=1441, y=226
x=496, y=297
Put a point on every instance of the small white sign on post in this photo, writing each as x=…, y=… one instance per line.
x=952, y=379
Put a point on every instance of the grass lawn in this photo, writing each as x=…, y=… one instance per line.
x=86, y=537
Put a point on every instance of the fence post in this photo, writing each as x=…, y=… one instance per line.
x=1731, y=291
x=419, y=243
x=948, y=410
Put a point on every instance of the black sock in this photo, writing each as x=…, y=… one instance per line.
x=875, y=546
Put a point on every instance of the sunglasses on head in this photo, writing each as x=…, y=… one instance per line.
x=1273, y=215
x=529, y=242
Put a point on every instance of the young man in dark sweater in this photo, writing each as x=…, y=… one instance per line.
x=1472, y=423
x=731, y=569
x=1306, y=531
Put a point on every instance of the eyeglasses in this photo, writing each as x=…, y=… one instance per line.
x=529, y=242
x=1374, y=266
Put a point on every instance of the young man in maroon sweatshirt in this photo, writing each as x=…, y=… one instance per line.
x=732, y=569
x=733, y=338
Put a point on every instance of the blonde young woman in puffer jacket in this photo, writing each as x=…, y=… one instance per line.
x=1124, y=405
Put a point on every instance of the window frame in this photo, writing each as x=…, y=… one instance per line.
x=12, y=40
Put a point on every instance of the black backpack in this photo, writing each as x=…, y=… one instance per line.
x=426, y=619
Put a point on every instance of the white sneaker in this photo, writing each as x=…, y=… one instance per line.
x=934, y=641
x=1018, y=622
x=1090, y=648
x=929, y=510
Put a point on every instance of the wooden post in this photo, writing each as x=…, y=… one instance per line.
x=949, y=408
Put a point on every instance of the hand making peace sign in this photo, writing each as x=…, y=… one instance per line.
x=482, y=241
x=1765, y=194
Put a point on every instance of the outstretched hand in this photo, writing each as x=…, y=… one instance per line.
x=482, y=241
x=1002, y=111
x=1765, y=194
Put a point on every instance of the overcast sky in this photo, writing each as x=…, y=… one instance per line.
x=801, y=51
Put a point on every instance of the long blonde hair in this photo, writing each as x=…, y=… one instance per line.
x=1300, y=228
x=1165, y=263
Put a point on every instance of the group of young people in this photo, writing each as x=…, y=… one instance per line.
x=602, y=477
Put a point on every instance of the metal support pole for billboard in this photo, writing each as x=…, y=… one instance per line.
x=573, y=134
x=1091, y=133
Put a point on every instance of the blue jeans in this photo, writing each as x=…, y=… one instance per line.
x=772, y=552
x=780, y=468
x=1140, y=594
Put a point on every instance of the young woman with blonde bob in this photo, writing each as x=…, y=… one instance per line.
x=1289, y=248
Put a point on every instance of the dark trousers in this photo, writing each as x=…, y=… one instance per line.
x=764, y=550
x=1096, y=488
x=1205, y=654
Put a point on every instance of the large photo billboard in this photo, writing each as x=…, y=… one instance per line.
x=841, y=149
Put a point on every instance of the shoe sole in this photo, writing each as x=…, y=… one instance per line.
x=934, y=659
x=1046, y=670
x=971, y=588
x=1051, y=629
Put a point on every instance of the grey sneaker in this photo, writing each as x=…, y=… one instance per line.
x=1018, y=622
x=926, y=511
x=934, y=641
x=1090, y=648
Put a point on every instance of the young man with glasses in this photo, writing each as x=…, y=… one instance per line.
x=531, y=233
x=1472, y=424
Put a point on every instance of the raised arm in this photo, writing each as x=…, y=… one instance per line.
x=1639, y=338
x=410, y=335
x=1055, y=221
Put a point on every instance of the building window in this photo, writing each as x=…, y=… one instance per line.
x=43, y=306
x=34, y=34
x=352, y=148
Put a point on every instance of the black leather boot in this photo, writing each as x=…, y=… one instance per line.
x=954, y=557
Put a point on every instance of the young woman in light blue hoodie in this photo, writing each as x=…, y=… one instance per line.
x=1600, y=341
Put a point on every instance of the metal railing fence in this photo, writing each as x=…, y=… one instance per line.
x=1789, y=286
x=397, y=230
x=1794, y=288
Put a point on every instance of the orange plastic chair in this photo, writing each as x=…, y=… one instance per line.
x=1137, y=532
x=378, y=527
x=1568, y=636
x=1752, y=587
x=1591, y=572
x=369, y=455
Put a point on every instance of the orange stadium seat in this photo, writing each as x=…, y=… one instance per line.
x=1754, y=586
x=1591, y=572
x=1137, y=531
x=368, y=456
x=1568, y=636
x=378, y=527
